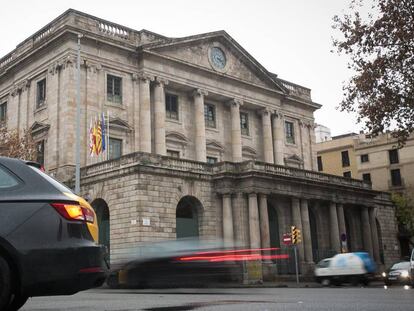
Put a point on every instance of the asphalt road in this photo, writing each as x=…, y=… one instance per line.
x=292, y=299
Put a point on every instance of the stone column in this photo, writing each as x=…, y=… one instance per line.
x=341, y=223
x=159, y=116
x=267, y=136
x=200, y=127
x=254, y=221
x=334, y=228
x=306, y=233
x=264, y=221
x=374, y=234
x=297, y=221
x=236, y=143
x=366, y=230
x=145, y=112
x=228, y=235
x=278, y=132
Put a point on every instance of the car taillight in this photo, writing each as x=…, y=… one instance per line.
x=89, y=215
x=74, y=212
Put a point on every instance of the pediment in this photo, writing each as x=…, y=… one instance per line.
x=197, y=51
x=214, y=145
x=294, y=159
x=176, y=137
x=246, y=150
x=39, y=128
x=119, y=124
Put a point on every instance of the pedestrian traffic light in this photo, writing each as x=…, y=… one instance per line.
x=296, y=236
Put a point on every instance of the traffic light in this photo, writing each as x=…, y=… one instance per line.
x=296, y=236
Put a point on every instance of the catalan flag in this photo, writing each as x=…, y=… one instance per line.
x=97, y=133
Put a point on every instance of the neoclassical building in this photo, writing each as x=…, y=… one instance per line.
x=203, y=141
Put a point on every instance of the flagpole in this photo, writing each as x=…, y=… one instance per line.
x=78, y=116
x=107, y=134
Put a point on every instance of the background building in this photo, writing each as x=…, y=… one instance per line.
x=322, y=133
x=373, y=159
x=203, y=141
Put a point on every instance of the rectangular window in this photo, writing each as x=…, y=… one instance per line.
x=364, y=158
x=396, y=177
x=40, y=152
x=320, y=166
x=115, y=148
x=345, y=158
x=3, y=112
x=41, y=93
x=366, y=177
x=210, y=115
x=114, y=89
x=393, y=154
x=171, y=106
x=211, y=160
x=289, y=132
x=244, y=123
x=347, y=174
x=173, y=154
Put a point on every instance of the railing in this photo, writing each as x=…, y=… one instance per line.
x=6, y=60
x=113, y=30
x=43, y=33
x=157, y=161
x=82, y=21
x=296, y=90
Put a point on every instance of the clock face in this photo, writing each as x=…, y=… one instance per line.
x=218, y=58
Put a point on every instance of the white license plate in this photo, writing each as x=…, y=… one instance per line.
x=392, y=278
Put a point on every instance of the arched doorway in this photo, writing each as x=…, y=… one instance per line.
x=188, y=214
x=102, y=214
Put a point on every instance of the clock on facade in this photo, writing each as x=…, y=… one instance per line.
x=218, y=58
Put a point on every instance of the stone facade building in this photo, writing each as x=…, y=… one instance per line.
x=211, y=143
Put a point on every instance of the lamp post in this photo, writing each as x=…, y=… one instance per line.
x=78, y=116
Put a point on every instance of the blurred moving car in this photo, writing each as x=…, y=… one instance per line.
x=398, y=273
x=48, y=237
x=185, y=262
x=353, y=268
x=174, y=263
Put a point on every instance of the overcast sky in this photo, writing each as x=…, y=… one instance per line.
x=291, y=38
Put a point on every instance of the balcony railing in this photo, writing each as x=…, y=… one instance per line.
x=182, y=165
x=83, y=22
x=297, y=90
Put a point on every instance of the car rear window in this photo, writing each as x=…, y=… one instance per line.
x=7, y=180
x=54, y=182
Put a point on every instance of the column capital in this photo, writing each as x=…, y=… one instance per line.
x=235, y=102
x=199, y=92
x=160, y=81
x=278, y=114
x=265, y=111
x=55, y=67
x=145, y=77
x=226, y=195
x=92, y=67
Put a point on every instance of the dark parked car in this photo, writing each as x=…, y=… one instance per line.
x=398, y=273
x=48, y=237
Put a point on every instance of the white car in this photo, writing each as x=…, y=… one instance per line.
x=345, y=268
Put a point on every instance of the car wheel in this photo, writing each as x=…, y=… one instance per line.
x=17, y=302
x=326, y=282
x=5, y=284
